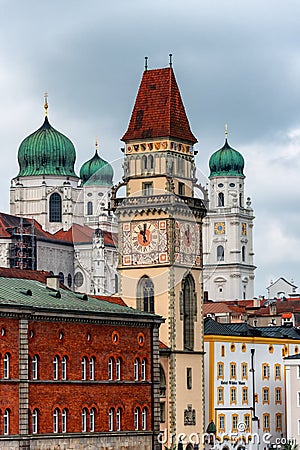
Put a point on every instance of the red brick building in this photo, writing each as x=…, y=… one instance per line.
x=75, y=371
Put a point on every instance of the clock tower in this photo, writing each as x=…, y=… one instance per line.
x=227, y=230
x=160, y=243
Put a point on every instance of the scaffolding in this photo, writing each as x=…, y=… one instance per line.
x=22, y=254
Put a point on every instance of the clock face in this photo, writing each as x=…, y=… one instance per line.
x=145, y=242
x=244, y=229
x=219, y=227
x=187, y=243
x=145, y=237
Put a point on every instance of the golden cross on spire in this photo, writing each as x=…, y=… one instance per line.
x=46, y=103
x=226, y=131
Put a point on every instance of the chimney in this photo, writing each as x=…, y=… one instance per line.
x=52, y=282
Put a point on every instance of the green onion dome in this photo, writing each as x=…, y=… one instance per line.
x=226, y=162
x=96, y=171
x=46, y=152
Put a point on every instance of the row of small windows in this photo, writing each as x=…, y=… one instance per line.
x=265, y=371
x=245, y=397
x=235, y=420
x=88, y=417
x=60, y=368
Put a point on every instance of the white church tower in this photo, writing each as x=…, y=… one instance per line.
x=227, y=230
x=46, y=187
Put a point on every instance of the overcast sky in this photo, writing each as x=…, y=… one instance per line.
x=236, y=62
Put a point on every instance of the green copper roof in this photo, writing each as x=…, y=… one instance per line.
x=226, y=162
x=96, y=171
x=31, y=294
x=46, y=152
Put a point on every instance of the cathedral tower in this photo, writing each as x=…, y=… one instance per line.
x=160, y=240
x=46, y=187
x=227, y=230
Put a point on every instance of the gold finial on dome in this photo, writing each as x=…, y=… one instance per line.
x=46, y=103
x=97, y=145
x=226, y=131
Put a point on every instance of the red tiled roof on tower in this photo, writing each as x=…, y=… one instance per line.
x=159, y=111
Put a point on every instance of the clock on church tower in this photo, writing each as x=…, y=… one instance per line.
x=160, y=236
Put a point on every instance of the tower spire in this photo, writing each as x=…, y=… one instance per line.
x=226, y=132
x=146, y=63
x=97, y=145
x=170, y=60
x=46, y=103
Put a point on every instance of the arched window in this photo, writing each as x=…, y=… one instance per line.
x=136, y=418
x=118, y=419
x=144, y=163
x=163, y=384
x=84, y=420
x=83, y=368
x=243, y=253
x=64, y=362
x=55, y=420
x=55, y=367
x=61, y=277
x=69, y=280
x=189, y=311
x=89, y=208
x=34, y=418
x=143, y=370
x=118, y=369
x=110, y=368
x=6, y=366
x=34, y=367
x=220, y=199
x=145, y=295
x=136, y=369
x=111, y=419
x=6, y=418
x=64, y=420
x=150, y=162
x=55, y=209
x=92, y=419
x=220, y=253
x=144, y=419
x=92, y=368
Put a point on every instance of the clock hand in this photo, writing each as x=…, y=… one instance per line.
x=143, y=233
x=187, y=234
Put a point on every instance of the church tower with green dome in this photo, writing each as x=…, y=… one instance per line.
x=96, y=177
x=46, y=187
x=227, y=230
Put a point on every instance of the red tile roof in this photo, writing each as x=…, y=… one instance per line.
x=84, y=234
x=216, y=308
x=162, y=345
x=37, y=275
x=116, y=300
x=159, y=111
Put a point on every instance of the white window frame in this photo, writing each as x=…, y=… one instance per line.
x=35, y=419
x=118, y=369
x=111, y=419
x=34, y=367
x=64, y=415
x=118, y=419
x=144, y=419
x=6, y=421
x=55, y=367
x=64, y=363
x=84, y=420
x=92, y=368
x=136, y=369
x=143, y=369
x=6, y=368
x=111, y=368
x=55, y=420
x=83, y=368
x=92, y=420
x=136, y=418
